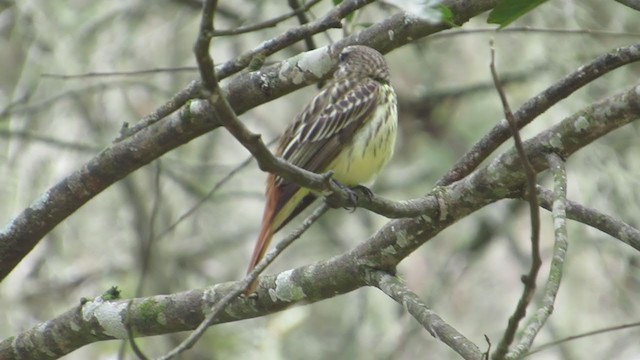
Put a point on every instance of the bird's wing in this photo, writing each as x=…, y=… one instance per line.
x=317, y=136
x=328, y=123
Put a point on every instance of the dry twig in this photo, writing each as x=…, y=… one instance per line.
x=530, y=279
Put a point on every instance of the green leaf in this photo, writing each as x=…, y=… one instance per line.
x=507, y=11
x=112, y=294
x=446, y=15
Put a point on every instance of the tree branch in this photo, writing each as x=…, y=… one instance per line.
x=561, y=244
x=530, y=279
x=303, y=19
x=607, y=224
x=539, y=104
x=438, y=328
x=297, y=11
x=583, y=335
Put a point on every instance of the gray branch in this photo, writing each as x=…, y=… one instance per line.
x=434, y=324
x=537, y=320
x=594, y=218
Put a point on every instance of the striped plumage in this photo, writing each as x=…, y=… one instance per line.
x=349, y=128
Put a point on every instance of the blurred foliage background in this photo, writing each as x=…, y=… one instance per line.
x=470, y=274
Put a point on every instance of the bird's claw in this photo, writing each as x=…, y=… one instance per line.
x=365, y=190
x=353, y=194
x=353, y=200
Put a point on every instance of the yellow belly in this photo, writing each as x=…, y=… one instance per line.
x=362, y=159
x=369, y=151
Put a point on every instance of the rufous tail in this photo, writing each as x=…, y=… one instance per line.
x=266, y=233
x=258, y=253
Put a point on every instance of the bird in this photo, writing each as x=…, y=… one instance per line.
x=349, y=128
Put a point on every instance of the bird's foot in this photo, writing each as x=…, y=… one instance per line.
x=353, y=194
x=364, y=190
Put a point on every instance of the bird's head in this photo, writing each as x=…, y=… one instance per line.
x=358, y=61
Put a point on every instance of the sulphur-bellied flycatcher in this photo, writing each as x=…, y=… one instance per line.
x=348, y=128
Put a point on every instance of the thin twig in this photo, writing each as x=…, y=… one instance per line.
x=438, y=328
x=173, y=104
x=297, y=11
x=207, y=197
x=105, y=74
x=49, y=141
x=130, y=337
x=147, y=241
x=242, y=285
x=282, y=245
x=535, y=322
x=303, y=19
x=580, y=336
x=41, y=105
x=529, y=280
x=615, y=227
x=23, y=99
x=201, y=48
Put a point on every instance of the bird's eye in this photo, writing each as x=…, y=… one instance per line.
x=343, y=56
